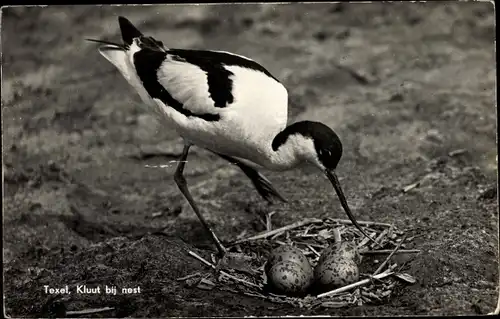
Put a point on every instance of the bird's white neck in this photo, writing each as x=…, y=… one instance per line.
x=296, y=150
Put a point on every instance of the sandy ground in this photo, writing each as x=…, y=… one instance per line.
x=402, y=84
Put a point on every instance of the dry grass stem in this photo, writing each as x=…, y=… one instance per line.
x=387, y=251
x=457, y=152
x=279, y=230
x=408, y=188
x=336, y=236
x=361, y=222
x=382, y=235
x=366, y=240
x=354, y=285
x=222, y=272
x=188, y=276
x=379, y=269
x=313, y=250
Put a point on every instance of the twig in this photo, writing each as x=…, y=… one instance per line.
x=307, y=230
x=278, y=230
x=308, y=236
x=310, y=244
x=391, y=268
x=369, y=229
x=362, y=79
x=366, y=240
x=369, y=294
x=272, y=238
x=88, y=311
x=337, y=237
x=379, y=269
x=269, y=225
x=361, y=222
x=188, y=276
x=408, y=188
x=457, y=152
x=382, y=235
x=406, y=277
x=195, y=255
x=374, y=278
x=386, y=251
x=354, y=285
x=222, y=271
x=313, y=250
x=252, y=294
x=391, y=285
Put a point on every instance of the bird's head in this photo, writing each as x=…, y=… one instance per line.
x=120, y=54
x=317, y=144
x=312, y=142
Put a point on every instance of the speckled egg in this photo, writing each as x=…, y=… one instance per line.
x=288, y=253
x=289, y=277
x=345, y=249
x=336, y=272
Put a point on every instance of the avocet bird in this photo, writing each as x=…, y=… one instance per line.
x=225, y=103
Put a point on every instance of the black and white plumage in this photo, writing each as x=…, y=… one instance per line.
x=228, y=104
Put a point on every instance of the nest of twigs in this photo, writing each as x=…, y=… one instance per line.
x=379, y=275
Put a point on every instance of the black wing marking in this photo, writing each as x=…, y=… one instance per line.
x=220, y=84
x=219, y=57
x=219, y=80
x=147, y=62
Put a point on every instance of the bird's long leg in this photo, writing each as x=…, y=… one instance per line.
x=182, y=184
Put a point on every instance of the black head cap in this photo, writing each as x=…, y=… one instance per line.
x=129, y=31
x=326, y=142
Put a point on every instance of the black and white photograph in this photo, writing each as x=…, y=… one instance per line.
x=250, y=159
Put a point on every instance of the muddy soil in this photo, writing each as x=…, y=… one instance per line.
x=404, y=85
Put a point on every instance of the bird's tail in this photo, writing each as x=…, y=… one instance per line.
x=130, y=32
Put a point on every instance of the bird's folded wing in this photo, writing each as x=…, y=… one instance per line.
x=199, y=91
